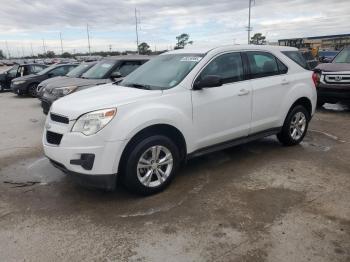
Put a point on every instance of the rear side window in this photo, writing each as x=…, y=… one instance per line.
x=228, y=66
x=297, y=57
x=262, y=64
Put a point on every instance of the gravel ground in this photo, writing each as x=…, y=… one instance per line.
x=255, y=202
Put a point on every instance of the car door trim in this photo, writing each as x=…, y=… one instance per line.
x=234, y=142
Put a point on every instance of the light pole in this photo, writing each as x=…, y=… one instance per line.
x=249, y=27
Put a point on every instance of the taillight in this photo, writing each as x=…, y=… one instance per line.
x=316, y=76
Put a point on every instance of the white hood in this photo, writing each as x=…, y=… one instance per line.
x=99, y=97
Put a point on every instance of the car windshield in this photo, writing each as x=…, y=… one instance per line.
x=343, y=56
x=46, y=70
x=163, y=72
x=99, y=70
x=79, y=70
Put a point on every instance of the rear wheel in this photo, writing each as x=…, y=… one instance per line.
x=150, y=165
x=32, y=90
x=295, y=126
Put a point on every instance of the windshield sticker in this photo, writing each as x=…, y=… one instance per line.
x=191, y=59
x=106, y=65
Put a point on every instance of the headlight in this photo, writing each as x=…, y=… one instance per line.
x=63, y=91
x=18, y=82
x=92, y=122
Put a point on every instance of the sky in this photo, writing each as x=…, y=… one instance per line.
x=26, y=24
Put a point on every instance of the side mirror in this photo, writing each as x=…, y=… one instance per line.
x=116, y=74
x=207, y=82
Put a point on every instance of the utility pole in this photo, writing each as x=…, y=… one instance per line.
x=249, y=27
x=8, y=50
x=44, y=48
x=88, y=36
x=61, y=43
x=31, y=48
x=137, y=31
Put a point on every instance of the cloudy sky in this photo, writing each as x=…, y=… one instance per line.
x=112, y=22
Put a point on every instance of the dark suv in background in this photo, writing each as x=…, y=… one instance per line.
x=105, y=71
x=18, y=71
x=333, y=79
x=28, y=84
x=61, y=80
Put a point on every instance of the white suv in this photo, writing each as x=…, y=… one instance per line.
x=179, y=105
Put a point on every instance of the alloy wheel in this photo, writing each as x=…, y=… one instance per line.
x=155, y=166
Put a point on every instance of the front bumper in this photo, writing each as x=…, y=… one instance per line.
x=46, y=102
x=333, y=93
x=105, y=182
x=19, y=89
x=68, y=155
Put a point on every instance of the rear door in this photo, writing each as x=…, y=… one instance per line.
x=222, y=113
x=270, y=82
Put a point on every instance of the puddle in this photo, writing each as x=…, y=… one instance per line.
x=320, y=141
x=30, y=172
x=336, y=107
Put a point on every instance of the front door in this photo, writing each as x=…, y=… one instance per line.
x=222, y=113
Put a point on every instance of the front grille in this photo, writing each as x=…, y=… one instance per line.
x=58, y=118
x=337, y=79
x=53, y=138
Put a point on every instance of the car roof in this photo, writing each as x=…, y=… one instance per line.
x=128, y=57
x=232, y=48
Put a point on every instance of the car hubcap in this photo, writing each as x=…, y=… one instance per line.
x=155, y=166
x=298, y=126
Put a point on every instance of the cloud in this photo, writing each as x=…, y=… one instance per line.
x=208, y=22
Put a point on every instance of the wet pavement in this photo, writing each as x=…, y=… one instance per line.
x=255, y=202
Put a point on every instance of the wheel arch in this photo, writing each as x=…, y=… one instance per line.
x=156, y=129
x=305, y=102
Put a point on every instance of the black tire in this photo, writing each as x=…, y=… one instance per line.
x=129, y=171
x=32, y=89
x=320, y=103
x=285, y=136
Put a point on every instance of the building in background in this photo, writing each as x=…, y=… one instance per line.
x=327, y=42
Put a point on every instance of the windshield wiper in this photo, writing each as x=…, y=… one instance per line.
x=139, y=86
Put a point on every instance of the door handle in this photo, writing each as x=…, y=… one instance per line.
x=243, y=92
x=285, y=82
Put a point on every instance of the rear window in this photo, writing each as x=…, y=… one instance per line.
x=298, y=58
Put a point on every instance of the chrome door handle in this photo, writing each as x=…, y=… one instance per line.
x=285, y=82
x=243, y=92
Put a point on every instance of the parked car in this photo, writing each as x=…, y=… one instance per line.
x=326, y=56
x=106, y=71
x=333, y=79
x=18, y=71
x=61, y=80
x=28, y=84
x=179, y=105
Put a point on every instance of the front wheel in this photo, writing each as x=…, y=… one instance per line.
x=150, y=165
x=32, y=90
x=295, y=126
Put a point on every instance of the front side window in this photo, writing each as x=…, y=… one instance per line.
x=162, y=72
x=127, y=67
x=60, y=71
x=79, y=70
x=13, y=71
x=99, y=70
x=228, y=67
x=342, y=57
x=262, y=64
